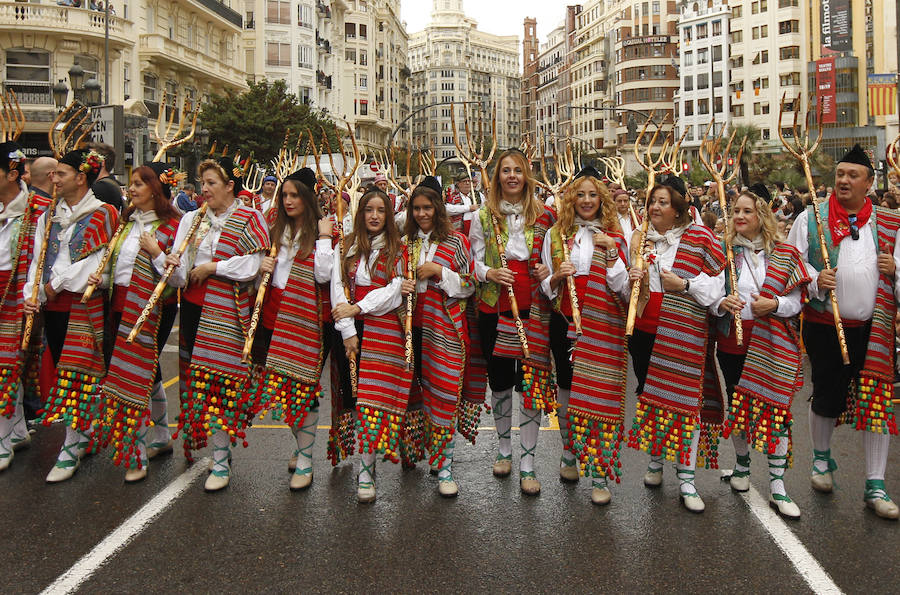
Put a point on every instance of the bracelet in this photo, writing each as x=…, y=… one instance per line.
x=612, y=254
x=687, y=286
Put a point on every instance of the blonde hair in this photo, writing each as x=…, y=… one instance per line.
x=609, y=219
x=768, y=225
x=532, y=208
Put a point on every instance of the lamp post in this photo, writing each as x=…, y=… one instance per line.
x=85, y=92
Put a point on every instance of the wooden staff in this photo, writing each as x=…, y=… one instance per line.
x=407, y=327
x=513, y=304
x=39, y=273
x=802, y=151
x=163, y=281
x=652, y=166
x=257, y=306
x=709, y=153
x=89, y=290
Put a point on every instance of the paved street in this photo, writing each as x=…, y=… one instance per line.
x=256, y=536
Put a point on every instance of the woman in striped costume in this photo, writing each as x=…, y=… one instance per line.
x=597, y=255
x=443, y=281
x=761, y=374
x=669, y=343
x=290, y=339
x=133, y=392
x=511, y=206
x=218, y=270
x=368, y=269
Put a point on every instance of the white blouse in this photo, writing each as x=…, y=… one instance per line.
x=131, y=245
x=451, y=282
x=378, y=302
x=750, y=282
x=581, y=255
x=516, y=246
x=704, y=289
x=324, y=259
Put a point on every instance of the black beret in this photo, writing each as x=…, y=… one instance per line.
x=760, y=190
x=675, y=183
x=432, y=182
x=234, y=171
x=858, y=156
x=305, y=176
x=589, y=171
x=78, y=160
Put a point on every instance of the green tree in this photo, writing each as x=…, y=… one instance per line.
x=752, y=134
x=257, y=120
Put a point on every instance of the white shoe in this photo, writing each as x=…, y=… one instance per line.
x=822, y=482
x=135, y=475
x=568, y=473
x=886, y=509
x=784, y=506
x=6, y=459
x=58, y=474
x=159, y=448
x=301, y=481
x=20, y=442
x=448, y=488
x=693, y=502
x=601, y=496
x=653, y=479
x=216, y=481
x=365, y=492
x=739, y=483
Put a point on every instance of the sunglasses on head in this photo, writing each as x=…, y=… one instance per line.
x=854, y=229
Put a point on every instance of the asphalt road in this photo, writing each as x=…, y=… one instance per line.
x=167, y=535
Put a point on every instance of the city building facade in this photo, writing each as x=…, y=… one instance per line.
x=453, y=61
x=180, y=49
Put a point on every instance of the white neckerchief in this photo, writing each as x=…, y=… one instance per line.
x=751, y=246
x=508, y=208
x=142, y=218
x=88, y=204
x=671, y=237
x=217, y=222
x=17, y=206
x=290, y=240
x=375, y=243
x=593, y=224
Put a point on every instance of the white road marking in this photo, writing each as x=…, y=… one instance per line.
x=808, y=567
x=73, y=578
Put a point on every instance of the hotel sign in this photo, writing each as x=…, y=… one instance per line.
x=642, y=40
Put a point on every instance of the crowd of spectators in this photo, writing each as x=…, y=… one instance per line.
x=90, y=4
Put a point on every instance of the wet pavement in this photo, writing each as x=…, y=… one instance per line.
x=257, y=536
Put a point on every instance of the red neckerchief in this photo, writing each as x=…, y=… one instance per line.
x=839, y=221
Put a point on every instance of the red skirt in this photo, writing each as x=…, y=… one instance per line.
x=271, y=305
x=728, y=344
x=522, y=286
x=565, y=305
x=649, y=319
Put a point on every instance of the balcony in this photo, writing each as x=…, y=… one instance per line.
x=50, y=18
x=223, y=11
x=162, y=50
x=31, y=93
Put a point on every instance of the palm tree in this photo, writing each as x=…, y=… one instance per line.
x=752, y=134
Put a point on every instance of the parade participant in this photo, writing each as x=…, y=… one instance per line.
x=218, y=268
x=19, y=210
x=81, y=225
x=267, y=194
x=372, y=331
x=512, y=209
x=134, y=396
x=107, y=188
x=443, y=280
x=463, y=204
x=590, y=374
x=864, y=255
x=291, y=341
x=771, y=277
x=623, y=214
x=669, y=343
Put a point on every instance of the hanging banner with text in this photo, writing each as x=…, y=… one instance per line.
x=826, y=89
x=882, y=94
x=834, y=15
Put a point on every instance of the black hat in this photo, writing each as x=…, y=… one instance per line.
x=675, y=183
x=11, y=156
x=234, y=171
x=432, y=182
x=88, y=162
x=305, y=176
x=858, y=156
x=760, y=190
x=589, y=171
x=166, y=175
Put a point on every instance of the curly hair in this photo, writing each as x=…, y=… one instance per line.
x=607, y=215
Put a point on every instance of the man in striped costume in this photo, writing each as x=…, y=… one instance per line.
x=864, y=255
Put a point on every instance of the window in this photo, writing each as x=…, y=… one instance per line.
x=703, y=56
x=703, y=81
x=278, y=12
x=761, y=57
x=28, y=74
x=688, y=84
x=702, y=31
x=789, y=79
x=737, y=110
x=717, y=53
x=689, y=58
x=737, y=62
x=363, y=57
x=350, y=56
x=717, y=28
x=363, y=82
x=789, y=26
x=687, y=34
x=305, y=16
x=278, y=54
x=737, y=36
x=349, y=30
x=90, y=66
x=363, y=32
x=717, y=78
x=305, y=95
x=717, y=105
x=788, y=3
x=151, y=84
x=737, y=11
x=702, y=106
x=126, y=81
x=304, y=56
x=363, y=108
x=688, y=108
x=791, y=52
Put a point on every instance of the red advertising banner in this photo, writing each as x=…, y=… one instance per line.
x=826, y=89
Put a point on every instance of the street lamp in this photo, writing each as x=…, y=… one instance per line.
x=85, y=92
x=92, y=92
x=76, y=76
x=60, y=94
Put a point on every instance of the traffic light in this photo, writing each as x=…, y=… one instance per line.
x=730, y=161
x=686, y=167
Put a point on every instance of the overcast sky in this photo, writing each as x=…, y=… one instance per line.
x=501, y=17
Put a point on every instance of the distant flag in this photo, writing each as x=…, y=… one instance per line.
x=882, y=94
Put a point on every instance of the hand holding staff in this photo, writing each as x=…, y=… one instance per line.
x=257, y=307
x=163, y=281
x=802, y=150
x=407, y=327
x=513, y=304
x=709, y=155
